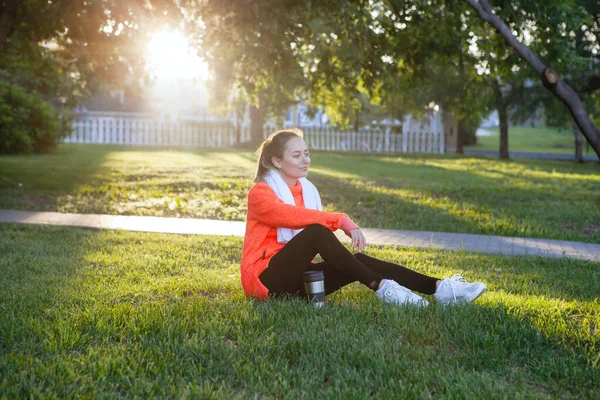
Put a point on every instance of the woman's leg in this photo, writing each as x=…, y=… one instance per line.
x=285, y=270
x=404, y=276
x=336, y=279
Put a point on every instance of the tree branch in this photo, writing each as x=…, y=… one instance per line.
x=486, y=6
x=505, y=32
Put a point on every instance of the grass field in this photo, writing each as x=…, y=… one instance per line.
x=444, y=193
x=112, y=314
x=532, y=139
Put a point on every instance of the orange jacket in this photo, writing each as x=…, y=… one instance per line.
x=267, y=212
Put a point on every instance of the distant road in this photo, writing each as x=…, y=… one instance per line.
x=532, y=155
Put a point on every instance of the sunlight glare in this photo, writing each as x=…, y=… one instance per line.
x=170, y=57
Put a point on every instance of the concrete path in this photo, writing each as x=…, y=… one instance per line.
x=436, y=240
x=533, y=155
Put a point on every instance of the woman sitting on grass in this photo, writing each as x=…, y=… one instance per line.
x=286, y=229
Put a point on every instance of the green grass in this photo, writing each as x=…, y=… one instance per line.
x=121, y=180
x=112, y=314
x=532, y=139
x=443, y=193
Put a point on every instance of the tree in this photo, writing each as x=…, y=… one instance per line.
x=341, y=55
x=277, y=53
x=548, y=76
x=345, y=61
x=582, y=73
x=425, y=57
x=249, y=47
x=59, y=50
x=504, y=76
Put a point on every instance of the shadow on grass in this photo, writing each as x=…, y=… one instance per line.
x=375, y=209
x=475, y=348
x=118, y=314
x=441, y=193
x=75, y=302
x=485, y=200
x=370, y=207
x=108, y=179
x=32, y=182
x=37, y=263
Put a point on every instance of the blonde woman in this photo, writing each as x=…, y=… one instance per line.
x=286, y=228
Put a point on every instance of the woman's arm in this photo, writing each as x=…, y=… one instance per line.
x=267, y=208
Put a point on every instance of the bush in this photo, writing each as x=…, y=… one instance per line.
x=28, y=123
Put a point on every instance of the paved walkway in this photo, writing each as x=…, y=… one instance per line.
x=436, y=240
x=533, y=155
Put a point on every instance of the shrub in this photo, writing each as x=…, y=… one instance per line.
x=28, y=123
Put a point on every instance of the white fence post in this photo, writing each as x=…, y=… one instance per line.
x=120, y=130
x=405, y=130
x=386, y=146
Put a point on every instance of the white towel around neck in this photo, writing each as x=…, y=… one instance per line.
x=310, y=194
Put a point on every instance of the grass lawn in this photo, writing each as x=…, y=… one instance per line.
x=533, y=139
x=112, y=314
x=444, y=193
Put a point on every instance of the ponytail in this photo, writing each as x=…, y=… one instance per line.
x=274, y=145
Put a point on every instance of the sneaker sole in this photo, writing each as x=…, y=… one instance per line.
x=482, y=291
x=421, y=303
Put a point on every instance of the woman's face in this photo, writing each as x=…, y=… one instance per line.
x=295, y=161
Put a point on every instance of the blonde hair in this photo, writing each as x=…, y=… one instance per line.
x=274, y=145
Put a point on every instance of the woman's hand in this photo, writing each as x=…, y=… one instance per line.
x=353, y=232
x=358, y=240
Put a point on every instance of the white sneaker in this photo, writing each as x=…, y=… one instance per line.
x=391, y=292
x=457, y=289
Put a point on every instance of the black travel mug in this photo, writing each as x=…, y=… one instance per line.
x=314, y=283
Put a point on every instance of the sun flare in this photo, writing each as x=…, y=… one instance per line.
x=171, y=57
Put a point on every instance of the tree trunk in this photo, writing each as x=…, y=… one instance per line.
x=503, y=117
x=8, y=15
x=239, y=111
x=460, y=135
x=238, y=133
x=356, y=119
x=462, y=122
x=502, y=109
x=550, y=79
x=257, y=123
x=578, y=144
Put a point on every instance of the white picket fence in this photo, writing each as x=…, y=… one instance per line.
x=375, y=141
x=149, y=132
x=425, y=136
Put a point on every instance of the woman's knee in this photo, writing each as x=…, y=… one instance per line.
x=320, y=234
x=318, y=229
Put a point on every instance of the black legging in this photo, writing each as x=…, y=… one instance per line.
x=340, y=267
